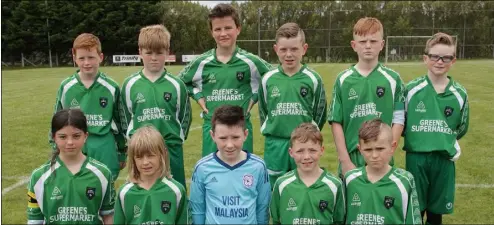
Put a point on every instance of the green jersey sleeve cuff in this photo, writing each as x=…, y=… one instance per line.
x=197, y=96
x=255, y=97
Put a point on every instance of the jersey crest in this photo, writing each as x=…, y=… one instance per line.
x=389, y=202
x=303, y=91
x=165, y=206
x=240, y=75
x=167, y=96
x=380, y=91
x=323, y=205
x=248, y=180
x=448, y=111
x=90, y=192
x=103, y=102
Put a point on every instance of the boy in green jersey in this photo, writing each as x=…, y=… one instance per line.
x=151, y=195
x=154, y=96
x=307, y=194
x=379, y=193
x=225, y=75
x=98, y=96
x=72, y=188
x=437, y=116
x=289, y=95
x=365, y=91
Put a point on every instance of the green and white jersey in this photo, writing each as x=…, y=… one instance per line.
x=435, y=121
x=163, y=103
x=293, y=202
x=100, y=104
x=164, y=203
x=357, y=99
x=287, y=101
x=391, y=200
x=56, y=196
x=233, y=83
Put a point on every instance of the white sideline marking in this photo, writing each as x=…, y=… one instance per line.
x=24, y=180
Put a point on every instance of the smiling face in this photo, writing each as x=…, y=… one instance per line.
x=440, y=59
x=290, y=52
x=88, y=60
x=306, y=155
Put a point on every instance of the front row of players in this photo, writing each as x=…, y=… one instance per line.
x=229, y=186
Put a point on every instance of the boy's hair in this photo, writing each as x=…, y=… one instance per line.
x=154, y=38
x=86, y=41
x=147, y=141
x=229, y=115
x=371, y=129
x=290, y=30
x=440, y=38
x=223, y=10
x=367, y=26
x=306, y=132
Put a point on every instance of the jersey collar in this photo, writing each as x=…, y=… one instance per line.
x=302, y=68
x=383, y=179
x=315, y=184
x=239, y=164
x=352, y=67
x=141, y=73
x=79, y=78
x=231, y=59
x=62, y=165
x=446, y=89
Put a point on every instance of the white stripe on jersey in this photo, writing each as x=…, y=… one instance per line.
x=177, y=87
x=345, y=75
x=35, y=222
x=175, y=189
x=128, y=100
x=314, y=81
x=66, y=87
x=264, y=90
x=254, y=73
x=39, y=187
x=353, y=176
x=108, y=86
x=265, y=81
x=102, y=179
x=333, y=188
x=413, y=91
x=458, y=96
x=404, y=195
x=392, y=82
x=124, y=191
x=286, y=182
x=197, y=79
x=458, y=152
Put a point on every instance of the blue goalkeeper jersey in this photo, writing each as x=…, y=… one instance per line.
x=224, y=194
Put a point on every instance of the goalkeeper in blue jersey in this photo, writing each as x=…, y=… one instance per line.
x=231, y=185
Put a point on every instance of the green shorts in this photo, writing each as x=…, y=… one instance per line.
x=434, y=176
x=208, y=145
x=177, y=162
x=104, y=149
x=277, y=158
x=357, y=160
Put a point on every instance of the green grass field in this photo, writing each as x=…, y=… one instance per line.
x=27, y=106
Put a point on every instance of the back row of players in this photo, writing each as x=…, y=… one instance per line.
x=234, y=186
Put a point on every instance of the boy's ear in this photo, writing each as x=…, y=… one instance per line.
x=211, y=133
x=246, y=132
x=306, y=46
x=393, y=146
x=275, y=48
x=290, y=151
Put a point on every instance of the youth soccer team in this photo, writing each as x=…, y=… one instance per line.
x=99, y=128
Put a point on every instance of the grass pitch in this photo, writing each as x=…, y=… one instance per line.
x=28, y=97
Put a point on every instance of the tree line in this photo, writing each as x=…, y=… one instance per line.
x=33, y=27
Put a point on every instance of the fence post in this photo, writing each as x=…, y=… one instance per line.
x=22, y=59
